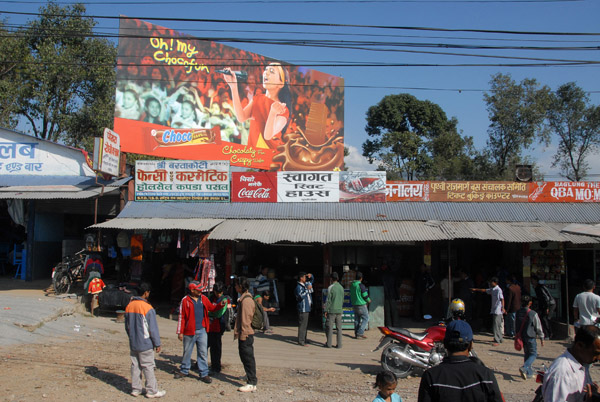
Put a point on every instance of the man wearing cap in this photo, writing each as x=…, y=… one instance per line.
x=303, y=294
x=191, y=329
x=458, y=377
x=333, y=310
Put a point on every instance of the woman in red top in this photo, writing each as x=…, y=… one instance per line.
x=269, y=114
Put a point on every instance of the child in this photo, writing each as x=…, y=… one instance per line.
x=386, y=382
x=528, y=327
x=216, y=327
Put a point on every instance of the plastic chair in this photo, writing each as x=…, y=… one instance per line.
x=19, y=258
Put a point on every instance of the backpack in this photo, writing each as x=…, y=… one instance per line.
x=547, y=296
x=258, y=317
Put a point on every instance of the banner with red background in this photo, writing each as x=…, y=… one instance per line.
x=173, y=100
x=253, y=186
x=564, y=191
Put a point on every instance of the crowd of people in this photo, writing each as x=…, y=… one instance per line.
x=460, y=376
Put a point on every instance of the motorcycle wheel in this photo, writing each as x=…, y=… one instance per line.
x=61, y=282
x=400, y=368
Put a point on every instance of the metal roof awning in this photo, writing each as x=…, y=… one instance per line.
x=271, y=231
x=53, y=192
x=195, y=224
x=582, y=229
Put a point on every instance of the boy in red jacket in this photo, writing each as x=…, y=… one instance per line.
x=191, y=329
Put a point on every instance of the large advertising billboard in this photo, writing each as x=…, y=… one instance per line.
x=185, y=98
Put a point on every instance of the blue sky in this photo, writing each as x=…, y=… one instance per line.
x=458, y=90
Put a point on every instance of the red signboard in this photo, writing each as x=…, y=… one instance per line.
x=254, y=187
x=186, y=98
x=407, y=191
x=564, y=191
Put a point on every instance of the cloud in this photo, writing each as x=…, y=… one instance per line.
x=356, y=162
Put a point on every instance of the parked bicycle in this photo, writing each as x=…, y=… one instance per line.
x=68, y=271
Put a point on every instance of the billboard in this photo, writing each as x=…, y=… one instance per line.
x=185, y=98
x=362, y=186
x=565, y=191
x=176, y=180
x=253, y=187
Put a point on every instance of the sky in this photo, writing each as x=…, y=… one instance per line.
x=389, y=31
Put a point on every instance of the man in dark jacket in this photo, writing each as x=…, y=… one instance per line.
x=513, y=304
x=144, y=340
x=459, y=378
x=546, y=305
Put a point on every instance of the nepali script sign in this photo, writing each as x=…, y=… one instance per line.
x=564, y=191
x=308, y=186
x=478, y=191
x=407, y=191
x=182, y=180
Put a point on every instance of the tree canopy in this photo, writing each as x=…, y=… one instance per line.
x=576, y=124
x=66, y=76
x=516, y=112
x=413, y=139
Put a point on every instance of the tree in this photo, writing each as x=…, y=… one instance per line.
x=576, y=123
x=517, y=112
x=12, y=55
x=413, y=139
x=69, y=79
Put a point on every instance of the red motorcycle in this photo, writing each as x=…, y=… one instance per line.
x=405, y=352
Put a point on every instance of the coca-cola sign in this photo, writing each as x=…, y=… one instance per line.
x=254, y=187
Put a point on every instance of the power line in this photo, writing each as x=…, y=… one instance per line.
x=318, y=24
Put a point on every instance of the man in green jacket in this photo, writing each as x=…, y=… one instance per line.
x=359, y=296
x=333, y=310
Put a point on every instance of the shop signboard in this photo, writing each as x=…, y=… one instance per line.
x=478, y=191
x=362, y=186
x=107, y=152
x=407, y=191
x=565, y=191
x=176, y=180
x=186, y=98
x=253, y=186
x=308, y=186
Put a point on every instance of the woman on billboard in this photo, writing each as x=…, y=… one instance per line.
x=269, y=114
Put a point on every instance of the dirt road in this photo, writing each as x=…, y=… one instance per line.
x=78, y=357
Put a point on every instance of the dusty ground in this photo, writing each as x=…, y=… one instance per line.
x=78, y=357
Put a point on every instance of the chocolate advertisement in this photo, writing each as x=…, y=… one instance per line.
x=362, y=186
x=180, y=180
x=186, y=98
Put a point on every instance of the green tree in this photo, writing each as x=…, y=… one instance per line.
x=576, y=123
x=413, y=139
x=69, y=79
x=517, y=112
x=12, y=55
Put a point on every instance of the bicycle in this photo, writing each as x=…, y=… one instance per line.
x=68, y=271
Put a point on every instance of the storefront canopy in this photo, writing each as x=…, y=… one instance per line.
x=390, y=222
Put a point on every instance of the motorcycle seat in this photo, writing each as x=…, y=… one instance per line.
x=405, y=332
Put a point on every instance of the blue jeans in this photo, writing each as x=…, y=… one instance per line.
x=200, y=340
x=529, y=354
x=361, y=318
x=509, y=324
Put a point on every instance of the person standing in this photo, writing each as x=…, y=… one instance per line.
x=447, y=287
x=458, y=377
x=191, y=330
x=333, y=310
x=586, y=306
x=144, y=340
x=463, y=292
x=513, y=304
x=244, y=333
x=359, y=297
x=216, y=326
x=568, y=378
x=497, y=310
x=303, y=294
x=529, y=328
x=349, y=275
x=546, y=305
x=423, y=284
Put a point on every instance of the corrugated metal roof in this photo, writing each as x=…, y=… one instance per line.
x=49, y=193
x=195, y=224
x=53, y=180
x=582, y=229
x=391, y=211
x=304, y=231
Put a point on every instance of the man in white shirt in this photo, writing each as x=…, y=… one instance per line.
x=568, y=378
x=586, y=307
x=497, y=310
